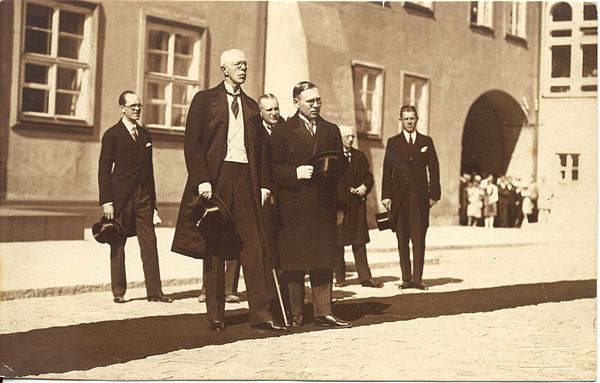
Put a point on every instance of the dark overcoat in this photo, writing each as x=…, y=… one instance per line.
x=354, y=230
x=306, y=209
x=123, y=164
x=205, y=147
x=405, y=172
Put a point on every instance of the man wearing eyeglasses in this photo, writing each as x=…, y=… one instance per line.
x=127, y=194
x=223, y=153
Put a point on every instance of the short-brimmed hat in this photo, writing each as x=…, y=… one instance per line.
x=328, y=165
x=108, y=230
x=383, y=221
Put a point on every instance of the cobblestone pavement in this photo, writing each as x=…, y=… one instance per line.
x=548, y=341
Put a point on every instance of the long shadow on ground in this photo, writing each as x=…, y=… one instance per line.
x=88, y=345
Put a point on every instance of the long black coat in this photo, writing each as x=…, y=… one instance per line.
x=307, y=210
x=354, y=230
x=205, y=147
x=132, y=164
x=404, y=173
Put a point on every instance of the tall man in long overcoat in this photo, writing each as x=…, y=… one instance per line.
x=355, y=184
x=223, y=155
x=411, y=185
x=309, y=210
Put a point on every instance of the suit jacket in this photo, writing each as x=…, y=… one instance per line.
x=132, y=165
x=354, y=230
x=306, y=209
x=205, y=147
x=405, y=172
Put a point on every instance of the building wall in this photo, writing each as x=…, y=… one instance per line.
x=54, y=163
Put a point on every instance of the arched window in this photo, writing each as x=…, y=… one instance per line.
x=590, y=12
x=562, y=12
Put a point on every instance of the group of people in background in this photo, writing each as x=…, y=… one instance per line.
x=503, y=201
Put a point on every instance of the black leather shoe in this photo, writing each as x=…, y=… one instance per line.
x=160, y=298
x=331, y=321
x=232, y=298
x=119, y=299
x=405, y=285
x=216, y=325
x=269, y=325
x=420, y=286
x=296, y=320
x=371, y=283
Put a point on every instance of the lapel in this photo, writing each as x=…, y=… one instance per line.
x=300, y=130
x=249, y=127
x=322, y=133
x=219, y=107
x=126, y=136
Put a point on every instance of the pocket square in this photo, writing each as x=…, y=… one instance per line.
x=424, y=149
x=148, y=144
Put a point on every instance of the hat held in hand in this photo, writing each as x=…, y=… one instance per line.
x=328, y=165
x=108, y=230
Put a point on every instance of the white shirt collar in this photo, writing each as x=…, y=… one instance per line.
x=268, y=127
x=128, y=124
x=305, y=120
x=229, y=89
x=407, y=135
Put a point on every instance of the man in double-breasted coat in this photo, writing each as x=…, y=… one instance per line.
x=308, y=210
x=410, y=186
x=355, y=184
x=223, y=154
x=127, y=194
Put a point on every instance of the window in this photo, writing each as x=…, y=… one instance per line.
x=517, y=19
x=415, y=91
x=57, y=63
x=570, y=50
x=173, y=74
x=368, y=99
x=568, y=167
x=482, y=13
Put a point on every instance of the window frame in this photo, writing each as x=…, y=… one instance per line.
x=375, y=132
x=569, y=168
x=170, y=79
x=86, y=64
x=512, y=29
x=423, y=125
x=485, y=15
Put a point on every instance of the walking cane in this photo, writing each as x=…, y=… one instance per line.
x=285, y=321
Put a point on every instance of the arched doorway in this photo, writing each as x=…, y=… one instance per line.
x=497, y=140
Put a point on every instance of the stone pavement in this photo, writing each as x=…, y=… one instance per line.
x=492, y=313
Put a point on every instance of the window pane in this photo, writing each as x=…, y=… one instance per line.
x=39, y=16
x=563, y=159
x=155, y=91
x=590, y=12
x=154, y=114
x=66, y=103
x=68, y=79
x=590, y=60
x=474, y=11
x=180, y=94
x=37, y=42
x=179, y=115
x=575, y=158
x=36, y=73
x=561, y=33
x=562, y=12
x=69, y=47
x=158, y=40
x=71, y=22
x=35, y=100
x=561, y=61
x=157, y=62
x=574, y=174
x=182, y=66
x=184, y=44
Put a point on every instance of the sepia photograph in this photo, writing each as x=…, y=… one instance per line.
x=298, y=190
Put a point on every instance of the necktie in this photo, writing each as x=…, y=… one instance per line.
x=310, y=128
x=134, y=133
x=410, y=140
x=235, y=107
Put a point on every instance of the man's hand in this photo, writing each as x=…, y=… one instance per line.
x=432, y=202
x=387, y=203
x=361, y=191
x=265, y=195
x=304, y=172
x=108, y=211
x=339, y=217
x=156, y=218
x=205, y=190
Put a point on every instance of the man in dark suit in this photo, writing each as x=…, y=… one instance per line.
x=411, y=186
x=354, y=185
x=223, y=153
x=127, y=194
x=309, y=210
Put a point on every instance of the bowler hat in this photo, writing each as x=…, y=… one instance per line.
x=210, y=210
x=328, y=165
x=107, y=230
x=383, y=221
